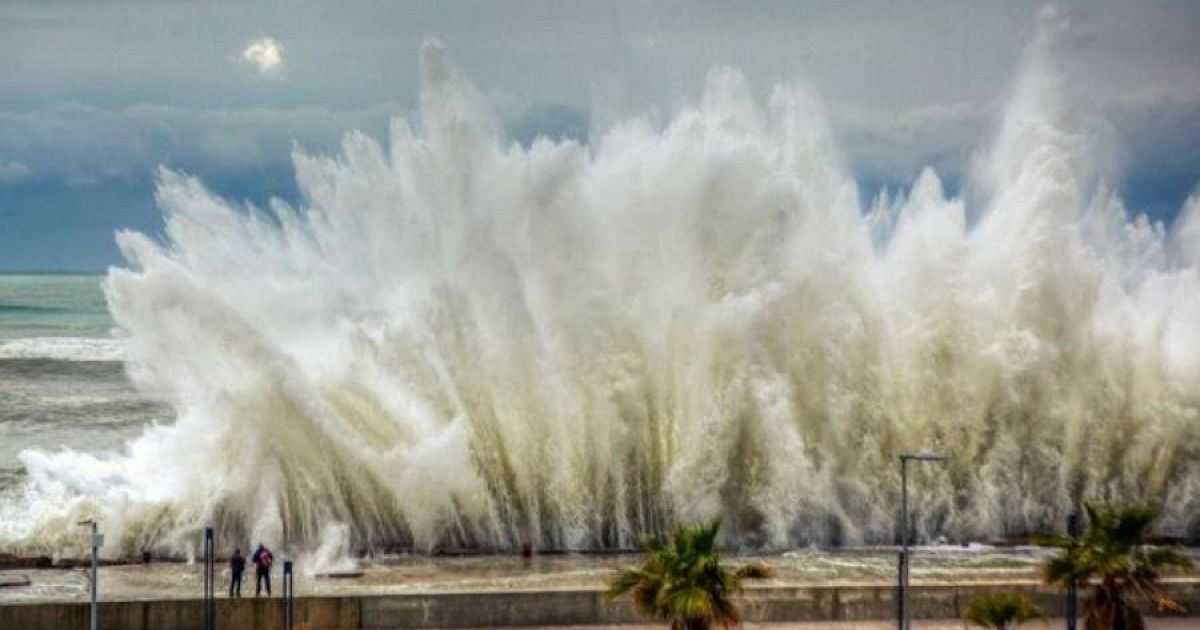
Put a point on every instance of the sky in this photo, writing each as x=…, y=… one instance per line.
x=95, y=95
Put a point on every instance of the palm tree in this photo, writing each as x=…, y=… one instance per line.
x=682, y=581
x=1112, y=553
x=1000, y=610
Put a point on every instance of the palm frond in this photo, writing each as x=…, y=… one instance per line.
x=647, y=597
x=1063, y=570
x=692, y=602
x=999, y=610
x=706, y=536
x=625, y=582
x=1113, y=552
x=1166, y=603
x=1130, y=525
x=1159, y=557
x=1047, y=539
x=1093, y=514
x=681, y=580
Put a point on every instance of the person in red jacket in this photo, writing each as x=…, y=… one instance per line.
x=262, y=560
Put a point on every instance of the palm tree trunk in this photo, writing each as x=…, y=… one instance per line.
x=1107, y=609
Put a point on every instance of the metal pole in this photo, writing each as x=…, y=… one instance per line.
x=288, y=595
x=204, y=572
x=209, y=579
x=1072, y=597
x=900, y=588
x=96, y=541
x=905, y=558
x=904, y=613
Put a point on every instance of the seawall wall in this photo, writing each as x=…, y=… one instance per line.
x=529, y=608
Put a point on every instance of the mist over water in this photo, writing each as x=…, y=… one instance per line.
x=456, y=341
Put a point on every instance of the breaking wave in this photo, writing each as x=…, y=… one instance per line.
x=461, y=342
x=61, y=349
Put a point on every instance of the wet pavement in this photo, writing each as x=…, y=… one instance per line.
x=425, y=574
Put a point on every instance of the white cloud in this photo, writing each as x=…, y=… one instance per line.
x=13, y=171
x=266, y=54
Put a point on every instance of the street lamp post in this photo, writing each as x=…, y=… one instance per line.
x=904, y=612
x=97, y=541
x=1072, y=599
x=210, y=579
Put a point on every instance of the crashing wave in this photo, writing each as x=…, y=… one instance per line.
x=457, y=341
x=61, y=349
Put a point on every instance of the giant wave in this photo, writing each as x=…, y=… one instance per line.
x=456, y=341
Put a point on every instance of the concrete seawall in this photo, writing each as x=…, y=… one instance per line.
x=498, y=608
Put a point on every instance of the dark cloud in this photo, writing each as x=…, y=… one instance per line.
x=77, y=144
x=87, y=171
x=556, y=122
x=70, y=228
x=95, y=95
x=1159, y=152
x=889, y=150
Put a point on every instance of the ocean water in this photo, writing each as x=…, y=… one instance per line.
x=456, y=341
x=62, y=384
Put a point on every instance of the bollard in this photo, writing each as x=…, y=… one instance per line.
x=288, y=595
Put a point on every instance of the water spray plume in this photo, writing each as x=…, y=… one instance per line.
x=458, y=342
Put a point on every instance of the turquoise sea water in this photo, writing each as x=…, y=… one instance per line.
x=61, y=382
x=52, y=306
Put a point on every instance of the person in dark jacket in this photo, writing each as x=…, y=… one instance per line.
x=237, y=566
x=262, y=560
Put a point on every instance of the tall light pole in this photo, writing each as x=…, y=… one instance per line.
x=210, y=579
x=1072, y=599
x=97, y=542
x=924, y=456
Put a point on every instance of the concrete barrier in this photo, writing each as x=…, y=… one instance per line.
x=312, y=613
x=500, y=608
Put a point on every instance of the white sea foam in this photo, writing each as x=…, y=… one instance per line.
x=61, y=348
x=462, y=342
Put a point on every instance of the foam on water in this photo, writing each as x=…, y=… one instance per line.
x=61, y=349
x=461, y=342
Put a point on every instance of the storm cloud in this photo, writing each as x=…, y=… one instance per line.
x=97, y=95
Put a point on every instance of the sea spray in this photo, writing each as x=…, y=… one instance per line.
x=460, y=342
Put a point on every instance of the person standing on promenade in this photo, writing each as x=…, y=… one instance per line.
x=237, y=566
x=262, y=560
